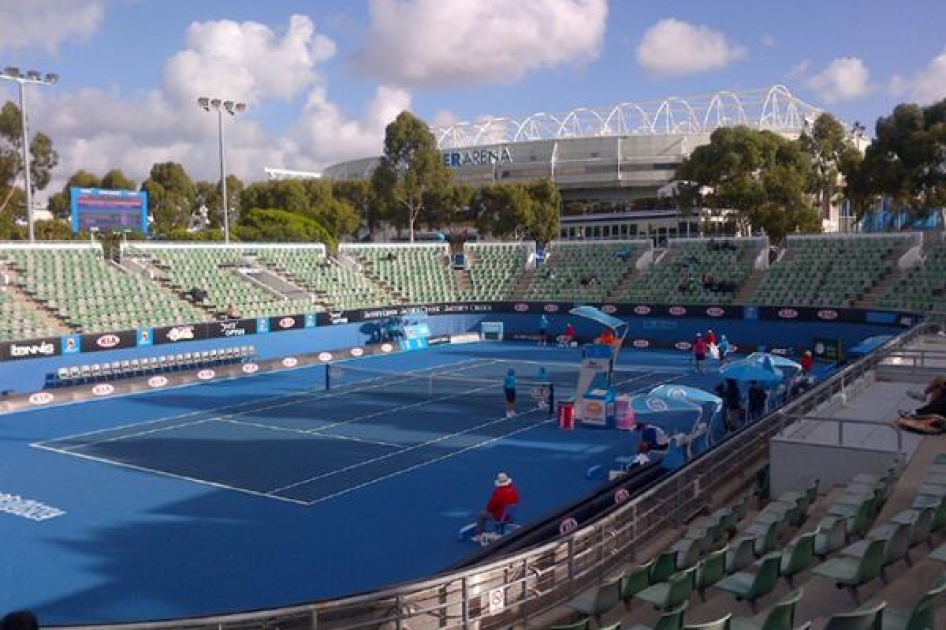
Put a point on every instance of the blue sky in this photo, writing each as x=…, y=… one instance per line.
x=322, y=78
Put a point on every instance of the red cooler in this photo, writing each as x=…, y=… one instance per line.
x=566, y=414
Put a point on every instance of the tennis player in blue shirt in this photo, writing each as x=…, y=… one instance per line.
x=509, y=387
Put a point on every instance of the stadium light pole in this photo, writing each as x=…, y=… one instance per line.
x=32, y=77
x=232, y=108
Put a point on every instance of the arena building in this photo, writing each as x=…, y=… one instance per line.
x=605, y=160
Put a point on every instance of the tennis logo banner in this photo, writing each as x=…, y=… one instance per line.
x=27, y=508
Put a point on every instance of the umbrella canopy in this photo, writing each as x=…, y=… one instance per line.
x=673, y=414
x=870, y=344
x=778, y=361
x=763, y=372
x=686, y=393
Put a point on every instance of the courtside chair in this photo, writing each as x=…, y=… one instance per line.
x=710, y=571
x=664, y=566
x=923, y=614
x=669, y=620
x=581, y=624
x=598, y=601
x=798, y=557
x=896, y=539
x=634, y=580
x=741, y=553
x=920, y=523
x=850, y=573
x=867, y=618
x=781, y=616
x=766, y=536
x=671, y=593
x=831, y=536
x=750, y=587
x=613, y=626
x=723, y=623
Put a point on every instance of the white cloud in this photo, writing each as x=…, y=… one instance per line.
x=843, y=79
x=769, y=41
x=325, y=134
x=436, y=43
x=674, y=47
x=99, y=129
x=47, y=23
x=247, y=60
x=799, y=70
x=927, y=85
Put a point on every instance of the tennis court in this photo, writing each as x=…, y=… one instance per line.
x=275, y=489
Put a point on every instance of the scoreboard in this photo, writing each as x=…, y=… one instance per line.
x=109, y=210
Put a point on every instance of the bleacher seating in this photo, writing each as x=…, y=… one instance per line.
x=19, y=320
x=90, y=295
x=829, y=270
x=696, y=271
x=416, y=273
x=494, y=269
x=570, y=266
x=341, y=286
x=217, y=270
x=922, y=288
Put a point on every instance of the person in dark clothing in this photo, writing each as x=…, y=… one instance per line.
x=732, y=399
x=20, y=620
x=937, y=400
x=757, y=400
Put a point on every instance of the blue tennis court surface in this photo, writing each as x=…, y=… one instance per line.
x=273, y=490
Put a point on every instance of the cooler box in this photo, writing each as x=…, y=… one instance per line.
x=597, y=408
x=623, y=416
x=566, y=414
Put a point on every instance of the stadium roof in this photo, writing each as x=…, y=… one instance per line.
x=774, y=108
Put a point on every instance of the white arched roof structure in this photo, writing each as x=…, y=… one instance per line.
x=774, y=108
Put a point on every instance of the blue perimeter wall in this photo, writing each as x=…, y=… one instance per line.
x=29, y=375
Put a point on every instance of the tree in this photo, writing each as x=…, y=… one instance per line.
x=906, y=160
x=60, y=204
x=825, y=142
x=115, y=179
x=411, y=171
x=759, y=176
x=43, y=155
x=359, y=195
x=259, y=224
x=172, y=196
x=546, y=204
x=504, y=210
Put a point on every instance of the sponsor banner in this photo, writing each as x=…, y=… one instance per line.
x=31, y=349
x=262, y=325
x=231, y=328
x=145, y=336
x=828, y=350
x=750, y=312
x=310, y=320
x=439, y=340
x=286, y=322
x=880, y=317
x=71, y=344
x=176, y=334
x=101, y=342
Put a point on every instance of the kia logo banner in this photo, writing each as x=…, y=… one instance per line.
x=232, y=328
x=109, y=341
x=286, y=322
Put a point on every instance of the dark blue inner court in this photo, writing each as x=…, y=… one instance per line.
x=271, y=490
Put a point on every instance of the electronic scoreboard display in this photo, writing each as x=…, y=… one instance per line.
x=109, y=210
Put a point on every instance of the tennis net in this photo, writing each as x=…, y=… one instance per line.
x=427, y=384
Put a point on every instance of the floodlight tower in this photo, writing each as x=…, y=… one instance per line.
x=232, y=108
x=31, y=77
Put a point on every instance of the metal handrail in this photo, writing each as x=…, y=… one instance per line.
x=515, y=589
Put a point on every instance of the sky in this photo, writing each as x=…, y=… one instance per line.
x=322, y=78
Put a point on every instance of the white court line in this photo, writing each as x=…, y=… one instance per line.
x=444, y=457
x=299, y=397
x=310, y=432
x=164, y=473
x=414, y=447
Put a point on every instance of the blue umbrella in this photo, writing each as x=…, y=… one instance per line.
x=870, y=344
x=686, y=393
x=778, y=361
x=673, y=414
x=763, y=372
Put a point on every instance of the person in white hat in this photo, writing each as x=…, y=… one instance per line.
x=501, y=503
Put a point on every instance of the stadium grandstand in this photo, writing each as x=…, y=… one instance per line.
x=607, y=158
x=286, y=435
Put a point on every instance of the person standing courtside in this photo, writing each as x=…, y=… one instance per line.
x=509, y=389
